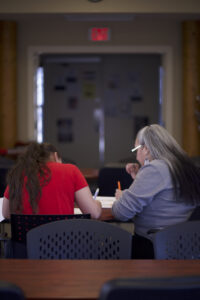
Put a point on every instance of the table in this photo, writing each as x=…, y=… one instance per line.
x=90, y=173
x=82, y=279
x=106, y=203
x=106, y=216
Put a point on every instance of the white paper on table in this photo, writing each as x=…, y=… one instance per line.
x=77, y=211
x=1, y=204
x=106, y=202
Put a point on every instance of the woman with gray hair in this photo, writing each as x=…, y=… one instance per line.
x=165, y=190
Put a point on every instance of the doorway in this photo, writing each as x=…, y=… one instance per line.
x=95, y=104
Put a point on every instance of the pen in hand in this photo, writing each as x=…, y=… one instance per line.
x=96, y=193
x=119, y=185
x=118, y=191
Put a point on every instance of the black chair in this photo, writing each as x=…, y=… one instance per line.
x=173, y=288
x=9, y=291
x=79, y=239
x=180, y=241
x=108, y=178
x=21, y=224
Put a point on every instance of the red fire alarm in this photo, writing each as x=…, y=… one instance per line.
x=97, y=34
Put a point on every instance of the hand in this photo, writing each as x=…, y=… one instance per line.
x=132, y=169
x=118, y=193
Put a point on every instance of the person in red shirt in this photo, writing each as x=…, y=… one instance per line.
x=39, y=183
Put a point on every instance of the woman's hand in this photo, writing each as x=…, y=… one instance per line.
x=87, y=204
x=132, y=169
x=118, y=193
x=6, y=208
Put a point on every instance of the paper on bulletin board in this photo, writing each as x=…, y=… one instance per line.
x=89, y=90
x=65, y=130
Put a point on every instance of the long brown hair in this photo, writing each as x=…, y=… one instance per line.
x=30, y=169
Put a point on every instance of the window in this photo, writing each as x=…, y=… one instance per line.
x=39, y=104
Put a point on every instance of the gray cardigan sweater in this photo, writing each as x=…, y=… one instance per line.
x=150, y=200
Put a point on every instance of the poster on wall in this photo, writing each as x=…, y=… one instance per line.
x=89, y=84
x=65, y=130
x=136, y=91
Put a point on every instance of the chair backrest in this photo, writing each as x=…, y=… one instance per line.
x=9, y=291
x=172, y=288
x=180, y=241
x=108, y=177
x=21, y=224
x=79, y=239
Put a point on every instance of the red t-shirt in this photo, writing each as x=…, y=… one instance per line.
x=58, y=195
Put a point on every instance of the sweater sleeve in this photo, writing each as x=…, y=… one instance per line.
x=148, y=183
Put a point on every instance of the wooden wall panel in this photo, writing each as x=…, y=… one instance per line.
x=191, y=87
x=8, y=41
